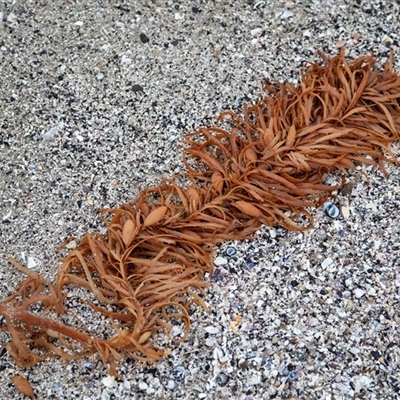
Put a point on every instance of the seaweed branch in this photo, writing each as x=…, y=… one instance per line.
x=267, y=168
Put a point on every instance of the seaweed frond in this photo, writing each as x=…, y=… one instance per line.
x=268, y=168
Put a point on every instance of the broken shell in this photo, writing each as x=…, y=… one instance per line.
x=331, y=210
x=179, y=372
x=230, y=251
x=293, y=375
x=345, y=212
x=221, y=379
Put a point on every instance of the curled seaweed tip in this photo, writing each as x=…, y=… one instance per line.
x=268, y=167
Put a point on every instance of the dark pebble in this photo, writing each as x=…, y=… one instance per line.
x=375, y=354
x=144, y=38
x=250, y=264
x=137, y=88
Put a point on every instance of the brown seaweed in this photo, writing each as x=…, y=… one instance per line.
x=268, y=167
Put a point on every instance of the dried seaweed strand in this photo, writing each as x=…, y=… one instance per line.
x=268, y=168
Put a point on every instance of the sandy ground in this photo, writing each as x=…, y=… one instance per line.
x=95, y=97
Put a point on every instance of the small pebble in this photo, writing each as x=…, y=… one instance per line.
x=328, y=261
x=50, y=134
x=137, y=88
x=286, y=14
x=144, y=38
x=108, y=381
x=171, y=384
x=340, y=44
x=387, y=39
x=376, y=354
x=212, y=330
x=256, y=32
x=219, y=261
x=11, y=17
x=31, y=263
x=254, y=380
x=359, y=293
x=7, y=216
x=126, y=60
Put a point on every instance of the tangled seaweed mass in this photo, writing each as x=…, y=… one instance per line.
x=268, y=168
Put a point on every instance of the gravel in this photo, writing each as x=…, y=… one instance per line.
x=94, y=100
